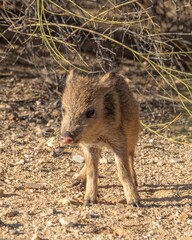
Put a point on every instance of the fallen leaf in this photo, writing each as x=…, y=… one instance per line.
x=35, y=186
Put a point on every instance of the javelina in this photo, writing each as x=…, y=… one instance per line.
x=102, y=111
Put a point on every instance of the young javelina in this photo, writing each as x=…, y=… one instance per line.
x=102, y=112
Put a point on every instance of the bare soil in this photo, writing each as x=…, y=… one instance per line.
x=37, y=200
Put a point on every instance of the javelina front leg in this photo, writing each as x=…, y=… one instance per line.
x=131, y=167
x=91, y=160
x=126, y=179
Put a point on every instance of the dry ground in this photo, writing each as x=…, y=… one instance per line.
x=36, y=197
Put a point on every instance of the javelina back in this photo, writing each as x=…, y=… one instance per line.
x=102, y=111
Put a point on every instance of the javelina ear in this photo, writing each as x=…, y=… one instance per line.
x=107, y=81
x=70, y=76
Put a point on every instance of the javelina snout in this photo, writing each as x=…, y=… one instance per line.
x=101, y=111
x=67, y=137
x=71, y=136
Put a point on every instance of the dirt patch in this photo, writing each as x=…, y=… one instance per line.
x=37, y=200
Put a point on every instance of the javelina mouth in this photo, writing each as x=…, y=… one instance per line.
x=69, y=141
x=69, y=137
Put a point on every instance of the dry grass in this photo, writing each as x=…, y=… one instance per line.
x=115, y=29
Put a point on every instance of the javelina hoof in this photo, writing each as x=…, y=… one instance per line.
x=87, y=203
x=136, y=204
x=77, y=182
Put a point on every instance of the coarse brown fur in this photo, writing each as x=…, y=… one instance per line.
x=101, y=111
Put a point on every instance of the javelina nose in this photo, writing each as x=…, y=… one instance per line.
x=67, y=137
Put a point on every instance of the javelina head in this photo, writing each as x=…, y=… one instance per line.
x=86, y=104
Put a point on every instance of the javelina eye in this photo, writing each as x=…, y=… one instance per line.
x=90, y=113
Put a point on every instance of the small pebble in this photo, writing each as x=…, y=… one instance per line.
x=78, y=158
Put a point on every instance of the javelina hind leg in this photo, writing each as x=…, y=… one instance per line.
x=81, y=177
